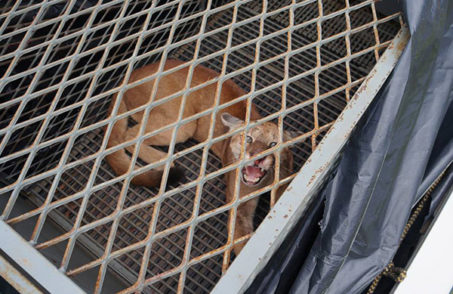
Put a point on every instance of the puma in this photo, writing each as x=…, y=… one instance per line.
x=255, y=175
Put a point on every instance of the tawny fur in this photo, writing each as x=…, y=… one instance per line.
x=198, y=129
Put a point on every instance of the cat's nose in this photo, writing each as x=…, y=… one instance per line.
x=256, y=148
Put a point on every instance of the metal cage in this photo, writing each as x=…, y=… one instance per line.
x=300, y=62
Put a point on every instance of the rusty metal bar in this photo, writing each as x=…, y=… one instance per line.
x=33, y=263
x=15, y=278
x=125, y=227
x=294, y=201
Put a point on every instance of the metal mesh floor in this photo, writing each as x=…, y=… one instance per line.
x=75, y=91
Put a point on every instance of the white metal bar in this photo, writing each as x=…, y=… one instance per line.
x=16, y=279
x=294, y=201
x=242, y=16
x=35, y=264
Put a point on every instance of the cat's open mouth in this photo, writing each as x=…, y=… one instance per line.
x=253, y=173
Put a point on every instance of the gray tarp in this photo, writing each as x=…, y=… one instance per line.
x=399, y=147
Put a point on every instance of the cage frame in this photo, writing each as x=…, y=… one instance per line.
x=294, y=202
x=276, y=219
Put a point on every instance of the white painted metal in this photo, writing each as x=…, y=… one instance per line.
x=294, y=201
x=46, y=188
x=16, y=279
x=33, y=263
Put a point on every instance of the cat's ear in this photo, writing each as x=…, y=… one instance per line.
x=231, y=122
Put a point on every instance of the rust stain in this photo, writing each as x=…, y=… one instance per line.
x=364, y=87
x=346, y=136
x=401, y=46
x=317, y=172
x=26, y=262
x=212, y=252
x=23, y=285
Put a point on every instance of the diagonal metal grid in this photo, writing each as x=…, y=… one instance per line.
x=61, y=62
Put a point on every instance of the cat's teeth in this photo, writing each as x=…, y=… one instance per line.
x=254, y=180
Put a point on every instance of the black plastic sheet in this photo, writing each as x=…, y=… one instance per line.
x=401, y=145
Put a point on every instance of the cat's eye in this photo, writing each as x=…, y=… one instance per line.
x=272, y=144
x=249, y=139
